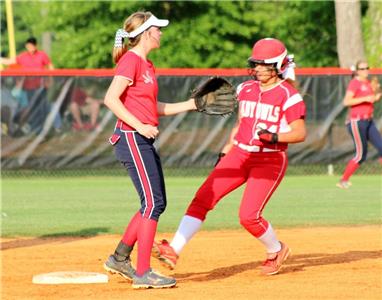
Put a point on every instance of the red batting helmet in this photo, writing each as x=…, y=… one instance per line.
x=269, y=51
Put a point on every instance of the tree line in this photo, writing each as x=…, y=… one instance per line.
x=201, y=34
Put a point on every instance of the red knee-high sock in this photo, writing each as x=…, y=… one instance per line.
x=130, y=236
x=351, y=167
x=380, y=160
x=146, y=234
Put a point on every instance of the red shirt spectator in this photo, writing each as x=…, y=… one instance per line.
x=33, y=60
x=30, y=59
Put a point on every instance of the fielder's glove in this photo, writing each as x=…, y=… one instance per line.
x=267, y=136
x=216, y=96
x=375, y=85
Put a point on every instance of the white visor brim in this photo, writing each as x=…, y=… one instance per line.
x=152, y=21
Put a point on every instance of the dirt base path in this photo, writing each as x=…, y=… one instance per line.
x=326, y=263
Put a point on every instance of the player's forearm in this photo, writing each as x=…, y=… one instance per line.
x=168, y=109
x=228, y=146
x=7, y=61
x=295, y=136
x=349, y=101
x=116, y=106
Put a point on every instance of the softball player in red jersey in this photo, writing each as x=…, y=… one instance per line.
x=132, y=97
x=271, y=115
x=360, y=99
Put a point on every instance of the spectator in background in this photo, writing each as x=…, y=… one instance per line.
x=30, y=59
x=83, y=103
x=360, y=97
x=35, y=87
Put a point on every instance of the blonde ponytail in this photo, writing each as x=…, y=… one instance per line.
x=131, y=23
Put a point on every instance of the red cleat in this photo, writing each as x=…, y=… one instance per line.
x=165, y=253
x=273, y=266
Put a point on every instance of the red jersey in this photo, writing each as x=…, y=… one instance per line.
x=37, y=60
x=140, y=98
x=273, y=109
x=360, y=89
x=79, y=96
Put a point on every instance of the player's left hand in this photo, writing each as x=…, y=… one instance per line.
x=267, y=136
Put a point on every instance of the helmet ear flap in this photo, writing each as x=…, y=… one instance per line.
x=283, y=65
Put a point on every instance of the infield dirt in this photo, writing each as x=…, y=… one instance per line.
x=326, y=263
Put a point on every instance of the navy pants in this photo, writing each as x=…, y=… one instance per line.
x=363, y=131
x=140, y=158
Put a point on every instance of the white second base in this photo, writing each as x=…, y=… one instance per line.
x=67, y=277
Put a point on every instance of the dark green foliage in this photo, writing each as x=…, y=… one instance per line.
x=203, y=34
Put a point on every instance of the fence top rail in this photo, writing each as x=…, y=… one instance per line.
x=173, y=72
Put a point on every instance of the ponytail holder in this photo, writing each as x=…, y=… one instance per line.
x=119, y=36
x=289, y=70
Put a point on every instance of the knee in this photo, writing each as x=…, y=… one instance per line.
x=160, y=208
x=154, y=209
x=198, y=209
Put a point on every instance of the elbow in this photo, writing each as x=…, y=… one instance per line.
x=106, y=102
x=303, y=135
x=300, y=136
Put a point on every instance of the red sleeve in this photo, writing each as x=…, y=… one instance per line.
x=45, y=59
x=294, y=107
x=353, y=86
x=295, y=112
x=128, y=66
x=19, y=59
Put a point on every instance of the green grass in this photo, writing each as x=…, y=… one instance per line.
x=98, y=205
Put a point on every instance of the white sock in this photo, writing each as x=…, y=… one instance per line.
x=270, y=240
x=186, y=230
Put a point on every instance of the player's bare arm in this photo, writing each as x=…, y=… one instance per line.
x=349, y=99
x=7, y=61
x=297, y=133
x=228, y=146
x=377, y=97
x=113, y=102
x=168, y=109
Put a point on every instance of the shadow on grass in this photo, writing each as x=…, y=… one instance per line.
x=297, y=263
x=63, y=237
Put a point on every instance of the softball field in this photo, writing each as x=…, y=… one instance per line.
x=326, y=263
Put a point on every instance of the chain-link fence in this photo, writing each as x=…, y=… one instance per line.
x=60, y=127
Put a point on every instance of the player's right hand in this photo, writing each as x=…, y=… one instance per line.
x=148, y=131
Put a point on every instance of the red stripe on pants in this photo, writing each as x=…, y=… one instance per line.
x=145, y=182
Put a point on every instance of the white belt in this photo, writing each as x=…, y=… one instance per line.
x=254, y=148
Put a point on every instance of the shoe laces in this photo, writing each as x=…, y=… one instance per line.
x=270, y=261
x=167, y=249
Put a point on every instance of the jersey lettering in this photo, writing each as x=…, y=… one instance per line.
x=262, y=111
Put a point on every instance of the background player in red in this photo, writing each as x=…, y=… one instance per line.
x=33, y=58
x=132, y=97
x=35, y=87
x=271, y=115
x=360, y=98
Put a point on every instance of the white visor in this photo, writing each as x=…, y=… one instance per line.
x=152, y=21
